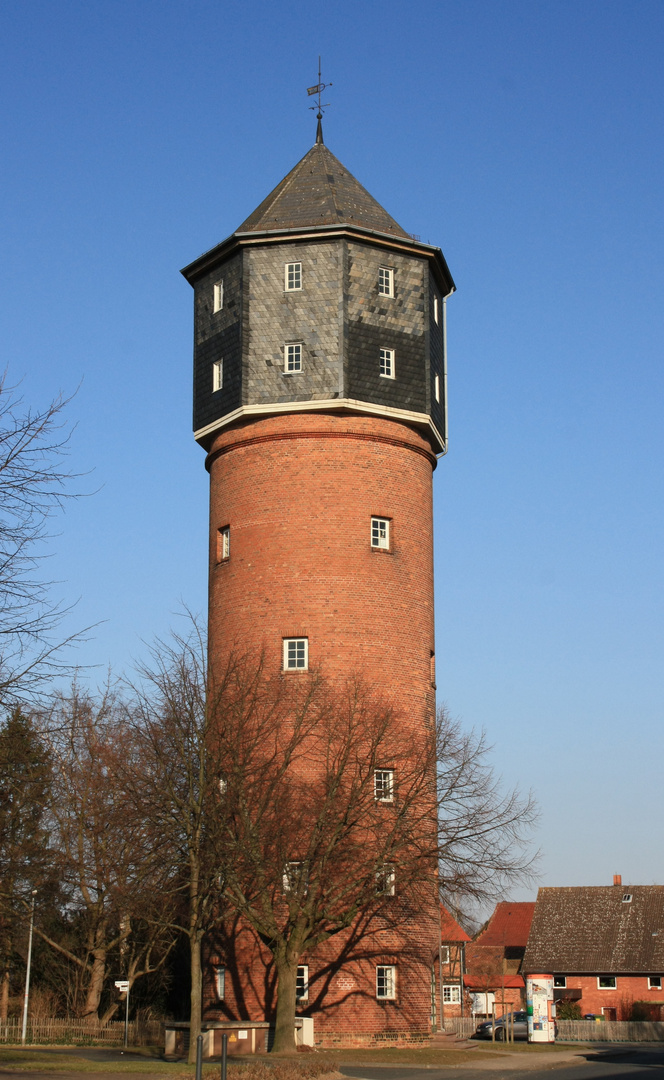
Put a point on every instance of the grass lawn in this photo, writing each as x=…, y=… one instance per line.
x=147, y=1060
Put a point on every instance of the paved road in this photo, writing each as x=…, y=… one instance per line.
x=612, y=1063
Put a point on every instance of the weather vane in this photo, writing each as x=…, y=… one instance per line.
x=318, y=89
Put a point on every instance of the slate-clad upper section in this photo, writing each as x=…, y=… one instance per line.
x=320, y=191
x=592, y=930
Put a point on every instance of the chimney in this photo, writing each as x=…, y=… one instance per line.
x=617, y=879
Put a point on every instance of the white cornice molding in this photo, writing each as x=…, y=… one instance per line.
x=276, y=408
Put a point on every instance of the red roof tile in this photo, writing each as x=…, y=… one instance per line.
x=450, y=929
x=474, y=982
x=509, y=925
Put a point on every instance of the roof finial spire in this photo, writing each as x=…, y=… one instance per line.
x=318, y=89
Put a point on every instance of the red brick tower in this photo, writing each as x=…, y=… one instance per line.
x=319, y=396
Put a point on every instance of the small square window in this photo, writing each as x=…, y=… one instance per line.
x=292, y=358
x=380, y=533
x=293, y=277
x=560, y=981
x=293, y=878
x=654, y=982
x=223, y=543
x=386, y=981
x=217, y=375
x=627, y=898
x=436, y=385
x=220, y=982
x=384, y=785
x=435, y=309
x=452, y=994
x=606, y=982
x=387, y=363
x=302, y=983
x=296, y=654
x=386, y=880
x=385, y=281
x=217, y=296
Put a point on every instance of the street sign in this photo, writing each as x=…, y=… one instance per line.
x=122, y=985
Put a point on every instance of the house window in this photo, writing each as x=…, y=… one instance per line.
x=386, y=880
x=387, y=363
x=223, y=543
x=627, y=898
x=435, y=309
x=296, y=654
x=654, y=982
x=380, y=533
x=436, y=387
x=302, y=983
x=384, y=785
x=386, y=981
x=560, y=981
x=452, y=994
x=220, y=982
x=292, y=358
x=293, y=277
x=217, y=375
x=444, y=954
x=293, y=878
x=606, y=982
x=217, y=296
x=385, y=281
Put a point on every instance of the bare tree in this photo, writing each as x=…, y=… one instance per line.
x=33, y=484
x=24, y=787
x=176, y=788
x=102, y=848
x=320, y=833
x=483, y=830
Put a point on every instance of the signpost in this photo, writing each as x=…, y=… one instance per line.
x=123, y=986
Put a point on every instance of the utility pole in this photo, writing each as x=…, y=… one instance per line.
x=27, y=971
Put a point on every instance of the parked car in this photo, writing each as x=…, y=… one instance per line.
x=483, y=1030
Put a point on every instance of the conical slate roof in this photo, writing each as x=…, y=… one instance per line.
x=320, y=191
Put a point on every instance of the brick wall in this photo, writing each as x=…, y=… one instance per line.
x=629, y=988
x=298, y=492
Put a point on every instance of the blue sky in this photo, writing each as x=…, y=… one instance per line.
x=523, y=137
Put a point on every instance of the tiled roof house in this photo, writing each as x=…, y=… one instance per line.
x=604, y=946
x=493, y=960
x=453, y=939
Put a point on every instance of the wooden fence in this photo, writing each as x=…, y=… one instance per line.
x=611, y=1030
x=583, y=1030
x=82, y=1032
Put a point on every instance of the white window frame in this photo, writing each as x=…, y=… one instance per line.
x=386, y=974
x=560, y=982
x=436, y=386
x=217, y=375
x=293, y=274
x=444, y=954
x=627, y=898
x=654, y=982
x=385, y=281
x=217, y=297
x=293, y=878
x=386, y=880
x=451, y=994
x=380, y=533
x=435, y=310
x=302, y=982
x=220, y=981
x=387, y=363
x=294, y=654
x=223, y=543
x=384, y=785
x=292, y=358
x=615, y=982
